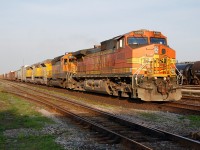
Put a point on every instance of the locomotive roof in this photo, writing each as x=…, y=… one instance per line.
x=36, y=65
x=84, y=52
x=56, y=59
x=47, y=61
x=29, y=67
x=25, y=66
x=111, y=43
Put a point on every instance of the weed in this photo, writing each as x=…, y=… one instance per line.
x=194, y=120
x=151, y=116
x=45, y=142
x=16, y=113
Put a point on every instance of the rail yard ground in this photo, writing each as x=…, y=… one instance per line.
x=26, y=125
x=18, y=120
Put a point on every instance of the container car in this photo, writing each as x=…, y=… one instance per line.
x=2, y=76
x=11, y=75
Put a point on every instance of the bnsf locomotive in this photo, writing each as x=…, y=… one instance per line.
x=138, y=64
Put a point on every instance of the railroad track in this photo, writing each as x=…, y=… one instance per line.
x=184, y=107
x=188, y=105
x=110, y=127
x=191, y=98
x=193, y=87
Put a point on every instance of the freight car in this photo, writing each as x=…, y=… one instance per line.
x=190, y=72
x=18, y=75
x=6, y=76
x=10, y=75
x=138, y=64
x=2, y=76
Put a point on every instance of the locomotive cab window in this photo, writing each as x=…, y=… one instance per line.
x=72, y=60
x=158, y=41
x=137, y=40
x=120, y=43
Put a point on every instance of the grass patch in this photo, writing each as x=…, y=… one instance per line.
x=194, y=120
x=150, y=116
x=32, y=143
x=17, y=113
x=10, y=119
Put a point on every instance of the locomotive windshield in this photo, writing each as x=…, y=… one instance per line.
x=137, y=40
x=158, y=41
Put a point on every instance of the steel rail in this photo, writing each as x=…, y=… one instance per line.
x=191, y=143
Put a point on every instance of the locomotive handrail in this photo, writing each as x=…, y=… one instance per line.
x=138, y=71
x=179, y=75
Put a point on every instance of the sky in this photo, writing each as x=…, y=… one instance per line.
x=35, y=30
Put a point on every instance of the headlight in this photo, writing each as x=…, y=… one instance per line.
x=149, y=71
x=156, y=49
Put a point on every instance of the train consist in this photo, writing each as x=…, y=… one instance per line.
x=190, y=72
x=138, y=64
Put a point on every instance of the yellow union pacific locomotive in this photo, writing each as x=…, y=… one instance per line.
x=138, y=64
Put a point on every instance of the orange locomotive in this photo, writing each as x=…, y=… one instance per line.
x=138, y=64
